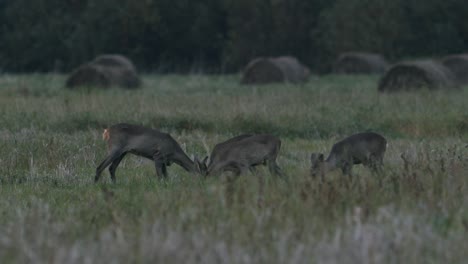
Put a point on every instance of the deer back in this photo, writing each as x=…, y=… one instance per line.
x=139, y=139
x=248, y=151
x=221, y=148
x=357, y=147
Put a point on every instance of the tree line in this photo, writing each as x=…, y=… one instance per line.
x=223, y=35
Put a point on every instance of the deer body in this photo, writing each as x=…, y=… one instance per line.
x=146, y=142
x=226, y=145
x=366, y=148
x=242, y=153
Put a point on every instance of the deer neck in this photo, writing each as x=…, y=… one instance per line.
x=185, y=162
x=330, y=164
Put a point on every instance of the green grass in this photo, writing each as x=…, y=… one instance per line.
x=52, y=212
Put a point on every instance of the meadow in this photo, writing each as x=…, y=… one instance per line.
x=52, y=212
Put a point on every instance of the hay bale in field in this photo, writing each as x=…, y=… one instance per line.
x=114, y=60
x=105, y=71
x=88, y=75
x=261, y=70
x=458, y=64
x=415, y=75
x=360, y=63
x=293, y=70
x=272, y=70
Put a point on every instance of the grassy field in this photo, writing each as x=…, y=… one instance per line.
x=52, y=212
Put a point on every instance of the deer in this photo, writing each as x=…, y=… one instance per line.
x=365, y=148
x=243, y=153
x=160, y=147
x=221, y=148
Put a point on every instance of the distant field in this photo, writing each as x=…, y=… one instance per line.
x=52, y=212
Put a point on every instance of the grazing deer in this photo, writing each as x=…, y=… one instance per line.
x=146, y=142
x=242, y=153
x=220, y=148
x=367, y=148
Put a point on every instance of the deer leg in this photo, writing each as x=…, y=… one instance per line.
x=261, y=189
x=234, y=176
x=242, y=170
x=346, y=169
x=379, y=164
x=113, y=166
x=160, y=165
x=164, y=170
x=108, y=160
x=322, y=176
x=230, y=186
x=372, y=165
x=229, y=192
x=275, y=169
x=160, y=168
x=376, y=164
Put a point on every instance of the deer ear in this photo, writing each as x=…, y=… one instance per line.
x=320, y=157
x=205, y=160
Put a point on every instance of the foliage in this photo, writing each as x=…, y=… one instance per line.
x=212, y=35
x=394, y=28
x=356, y=25
x=271, y=28
x=154, y=33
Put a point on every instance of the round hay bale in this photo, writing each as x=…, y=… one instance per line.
x=415, y=75
x=360, y=63
x=88, y=75
x=293, y=70
x=114, y=60
x=458, y=64
x=274, y=70
x=105, y=71
x=261, y=71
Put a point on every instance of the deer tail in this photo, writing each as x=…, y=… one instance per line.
x=105, y=135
